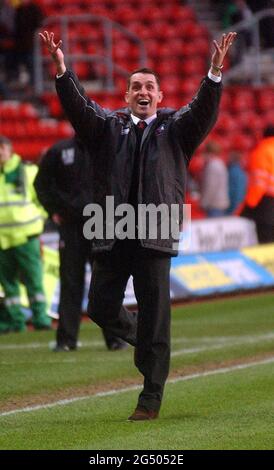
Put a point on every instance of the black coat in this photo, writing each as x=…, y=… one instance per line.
x=166, y=149
x=63, y=182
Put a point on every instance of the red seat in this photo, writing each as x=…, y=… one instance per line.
x=190, y=87
x=226, y=123
x=250, y=121
x=192, y=30
x=203, y=46
x=197, y=163
x=165, y=67
x=194, y=67
x=72, y=10
x=152, y=47
x=171, y=101
x=32, y=128
x=124, y=49
x=163, y=51
x=265, y=100
x=242, y=100
x=225, y=101
x=189, y=50
x=82, y=69
x=268, y=118
x=177, y=46
x=27, y=110
x=150, y=15
x=242, y=142
x=142, y=31
x=64, y=129
x=124, y=15
x=9, y=109
x=185, y=13
x=101, y=10
x=171, y=85
x=55, y=107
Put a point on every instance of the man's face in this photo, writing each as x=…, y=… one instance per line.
x=5, y=153
x=143, y=95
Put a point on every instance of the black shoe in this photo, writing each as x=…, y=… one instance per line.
x=117, y=345
x=64, y=348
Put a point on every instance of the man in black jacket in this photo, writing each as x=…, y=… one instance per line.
x=63, y=186
x=142, y=154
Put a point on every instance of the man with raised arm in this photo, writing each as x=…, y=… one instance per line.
x=142, y=154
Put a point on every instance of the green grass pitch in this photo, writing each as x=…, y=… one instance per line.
x=210, y=402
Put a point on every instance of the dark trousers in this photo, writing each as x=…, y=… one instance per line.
x=149, y=331
x=74, y=252
x=265, y=232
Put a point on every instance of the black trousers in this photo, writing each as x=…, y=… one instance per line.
x=149, y=331
x=74, y=252
x=265, y=232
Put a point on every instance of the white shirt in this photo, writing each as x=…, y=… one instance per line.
x=148, y=120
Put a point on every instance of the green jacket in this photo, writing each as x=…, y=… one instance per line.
x=21, y=215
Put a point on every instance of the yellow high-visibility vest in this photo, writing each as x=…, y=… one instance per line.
x=21, y=215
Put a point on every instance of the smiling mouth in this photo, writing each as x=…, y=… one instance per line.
x=143, y=102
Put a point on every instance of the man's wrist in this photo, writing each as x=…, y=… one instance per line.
x=60, y=67
x=216, y=69
x=60, y=70
x=214, y=77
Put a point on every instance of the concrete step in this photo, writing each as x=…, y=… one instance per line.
x=206, y=15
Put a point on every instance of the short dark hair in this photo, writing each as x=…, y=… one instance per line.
x=143, y=70
x=5, y=140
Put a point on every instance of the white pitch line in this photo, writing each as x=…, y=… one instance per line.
x=206, y=339
x=46, y=345
x=68, y=401
x=218, y=342
x=226, y=344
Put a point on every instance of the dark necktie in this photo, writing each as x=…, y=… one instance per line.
x=142, y=125
x=133, y=195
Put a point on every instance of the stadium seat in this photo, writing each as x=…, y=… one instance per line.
x=265, y=100
x=150, y=15
x=171, y=85
x=225, y=101
x=268, y=118
x=164, y=68
x=250, y=121
x=242, y=100
x=226, y=123
x=124, y=15
x=242, y=142
x=196, y=66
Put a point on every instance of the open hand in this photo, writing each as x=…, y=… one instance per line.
x=221, y=48
x=54, y=49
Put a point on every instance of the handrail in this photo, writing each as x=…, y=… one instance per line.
x=252, y=26
x=108, y=27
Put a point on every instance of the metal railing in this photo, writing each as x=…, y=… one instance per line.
x=42, y=82
x=253, y=49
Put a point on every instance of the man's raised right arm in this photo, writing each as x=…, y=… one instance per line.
x=86, y=116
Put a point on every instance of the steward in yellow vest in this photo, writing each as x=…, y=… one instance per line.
x=21, y=223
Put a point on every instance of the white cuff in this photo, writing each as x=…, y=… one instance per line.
x=213, y=77
x=59, y=76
